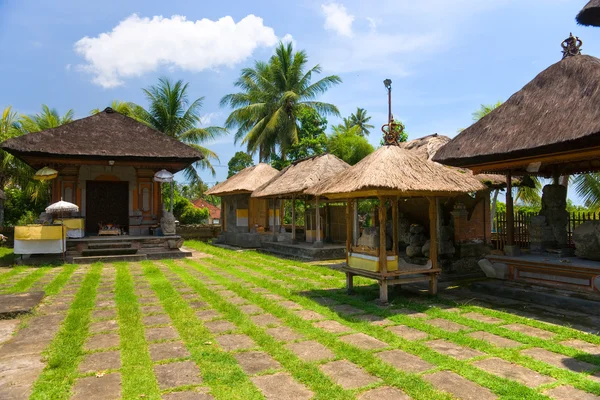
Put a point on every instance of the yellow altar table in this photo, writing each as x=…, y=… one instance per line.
x=75, y=227
x=40, y=239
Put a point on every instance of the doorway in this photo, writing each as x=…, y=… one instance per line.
x=106, y=202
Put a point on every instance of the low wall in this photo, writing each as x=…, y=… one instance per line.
x=199, y=232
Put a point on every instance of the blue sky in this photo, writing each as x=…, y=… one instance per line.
x=445, y=58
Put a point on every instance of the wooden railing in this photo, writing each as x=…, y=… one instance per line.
x=522, y=227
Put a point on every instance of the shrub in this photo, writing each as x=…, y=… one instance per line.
x=193, y=215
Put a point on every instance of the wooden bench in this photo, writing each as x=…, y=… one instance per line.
x=402, y=276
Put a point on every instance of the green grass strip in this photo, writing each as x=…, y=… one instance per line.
x=66, y=350
x=219, y=369
x=307, y=373
x=13, y=271
x=60, y=280
x=28, y=281
x=138, y=380
x=410, y=383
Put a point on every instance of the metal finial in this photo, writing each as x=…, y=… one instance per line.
x=391, y=136
x=571, y=46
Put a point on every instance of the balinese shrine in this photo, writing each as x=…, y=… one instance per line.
x=106, y=164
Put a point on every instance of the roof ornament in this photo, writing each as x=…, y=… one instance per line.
x=391, y=135
x=571, y=46
x=109, y=110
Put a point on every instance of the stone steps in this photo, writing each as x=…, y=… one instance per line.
x=109, y=259
x=108, y=252
x=111, y=245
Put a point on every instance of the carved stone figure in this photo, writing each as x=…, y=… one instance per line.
x=369, y=237
x=168, y=223
x=554, y=208
x=587, y=240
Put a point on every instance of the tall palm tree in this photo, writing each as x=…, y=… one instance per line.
x=272, y=95
x=46, y=119
x=171, y=112
x=361, y=120
x=122, y=107
x=587, y=187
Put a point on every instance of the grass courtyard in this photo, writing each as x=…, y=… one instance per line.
x=242, y=325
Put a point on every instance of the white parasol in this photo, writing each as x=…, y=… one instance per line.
x=165, y=176
x=45, y=174
x=62, y=208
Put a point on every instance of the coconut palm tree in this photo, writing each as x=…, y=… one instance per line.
x=122, y=107
x=171, y=112
x=361, y=120
x=271, y=97
x=587, y=187
x=48, y=118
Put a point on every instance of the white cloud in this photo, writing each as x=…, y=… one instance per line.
x=372, y=23
x=288, y=38
x=140, y=45
x=207, y=119
x=337, y=19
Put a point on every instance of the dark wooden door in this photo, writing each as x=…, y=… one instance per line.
x=106, y=203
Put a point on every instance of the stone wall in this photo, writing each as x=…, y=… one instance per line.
x=199, y=232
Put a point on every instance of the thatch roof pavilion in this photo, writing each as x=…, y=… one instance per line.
x=246, y=181
x=390, y=173
x=590, y=14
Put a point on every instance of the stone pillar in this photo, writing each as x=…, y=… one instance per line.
x=460, y=215
x=293, y=219
x=510, y=249
x=382, y=237
x=318, y=241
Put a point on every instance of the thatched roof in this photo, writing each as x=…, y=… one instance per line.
x=590, y=14
x=556, y=112
x=427, y=147
x=245, y=181
x=393, y=170
x=106, y=135
x=301, y=175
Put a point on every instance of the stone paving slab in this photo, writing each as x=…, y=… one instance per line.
x=251, y=309
x=482, y=318
x=453, y=350
x=107, y=387
x=363, y=341
x=347, y=374
x=290, y=305
x=311, y=351
x=164, y=333
x=236, y=300
x=384, y=393
x=447, y=325
x=332, y=326
x=284, y=334
x=495, y=339
x=181, y=373
x=199, y=394
x=255, y=362
x=15, y=304
x=153, y=310
x=104, y=326
x=324, y=301
x=104, y=314
x=281, y=386
x=309, y=315
x=505, y=369
x=198, y=304
x=7, y=328
x=375, y=319
x=409, y=312
x=233, y=342
x=404, y=361
x=347, y=309
x=570, y=393
x=17, y=375
x=558, y=360
x=529, y=330
x=581, y=345
x=458, y=386
x=207, y=315
x=100, y=361
x=407, y=332
x=102, y=341
x=265, y=320
x=168, y=350
x=160, y=319
x=219, y=326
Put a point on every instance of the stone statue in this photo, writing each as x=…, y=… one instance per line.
x=587, y=240
x=554, y=209
x=167, y=223
x=44, y=218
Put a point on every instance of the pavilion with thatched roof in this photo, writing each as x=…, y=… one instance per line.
x=293, y=181
x=550, y=128
x=590, y=14
x=240, y=213
x=388, y=174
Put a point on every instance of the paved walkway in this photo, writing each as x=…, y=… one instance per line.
x=285, y=332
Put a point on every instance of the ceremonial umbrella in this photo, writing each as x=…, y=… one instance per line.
x=61, y=208
x=45, y=174
x=165, y=176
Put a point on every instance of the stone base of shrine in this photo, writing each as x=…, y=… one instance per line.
x=306, y=251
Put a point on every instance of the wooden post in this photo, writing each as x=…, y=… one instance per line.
x=274, y=220
x=223, y=228
x=433, y=247
x=306, y=204
x=395, y=225
x=349, y=282
x=349, y=216
x=382, y=251
x=293, y=219
x=318, y=241
x=510, y=213
x=281, y=214
x=356, y=227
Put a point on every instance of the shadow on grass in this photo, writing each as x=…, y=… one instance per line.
x=7, y=257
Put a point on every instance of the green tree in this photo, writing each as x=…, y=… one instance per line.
x=238, y=162
x=171, y=112
x=348, y=144
x=46, y=119
x=122, y=107
x=361, y=120
x=312, y=139
x=587, y=187
x=272, y=96
x=484, y=110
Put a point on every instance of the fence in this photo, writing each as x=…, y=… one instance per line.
x=522, y=224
